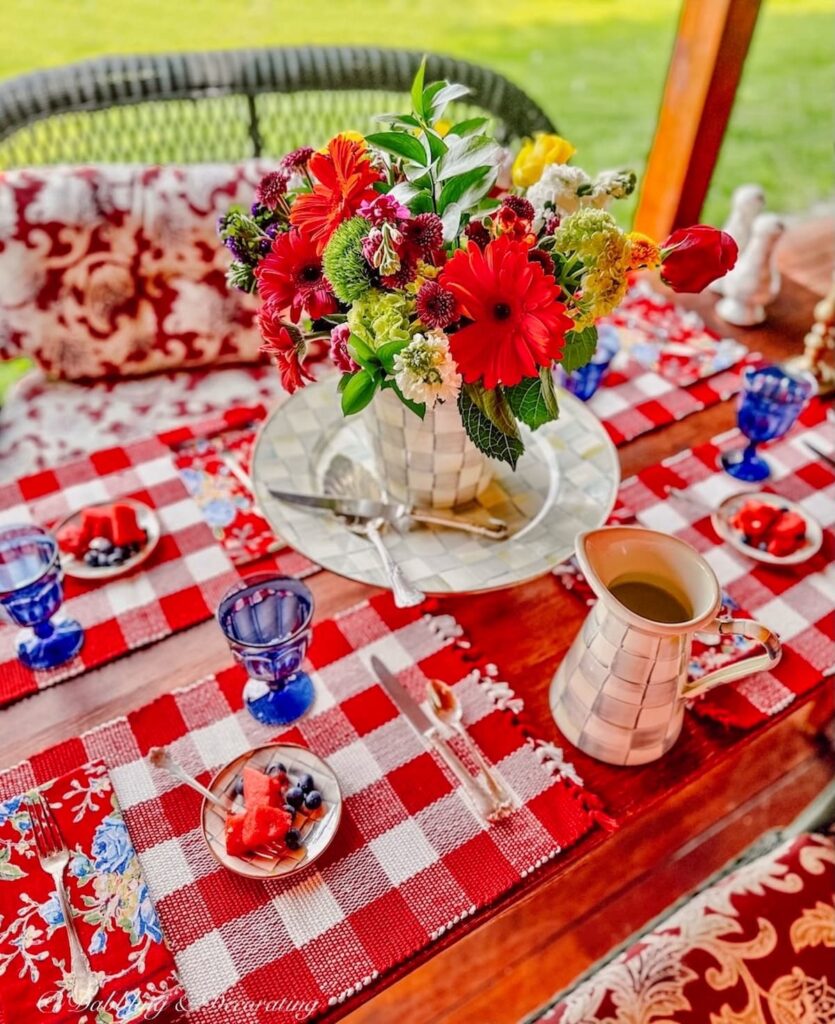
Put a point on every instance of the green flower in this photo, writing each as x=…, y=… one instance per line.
x=377, y=317
x=593, y=237
x=343, y=262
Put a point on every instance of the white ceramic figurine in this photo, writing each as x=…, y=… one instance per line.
x=755, y=280
x=747, y=202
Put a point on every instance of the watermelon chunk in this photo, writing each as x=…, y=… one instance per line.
x=126, y=528
x=260, y=789
x=70, y=539
x=263, y=825
x=235, y=834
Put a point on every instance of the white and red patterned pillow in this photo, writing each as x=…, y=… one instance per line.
x=757, y=946
x=116, y=270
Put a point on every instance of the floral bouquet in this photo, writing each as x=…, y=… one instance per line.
x=445, y=271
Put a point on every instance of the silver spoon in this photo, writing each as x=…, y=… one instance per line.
x=347, y=479
x=447, y=709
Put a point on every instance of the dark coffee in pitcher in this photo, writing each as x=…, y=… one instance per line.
x=650, y=600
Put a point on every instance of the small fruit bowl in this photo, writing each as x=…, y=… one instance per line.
x=110, y=559
x=765, y=515
x=285, y=765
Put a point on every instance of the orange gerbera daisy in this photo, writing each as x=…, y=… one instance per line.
x=344, y=175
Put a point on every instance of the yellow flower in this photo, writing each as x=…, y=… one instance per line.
x=442, y=127
x=536, y=154
x=645, y=253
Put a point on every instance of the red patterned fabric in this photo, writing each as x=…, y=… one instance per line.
x=177, y=587
x=798, y=602
x=116, y=270
x=410, y=859
x=758, y=947
x=114, y=918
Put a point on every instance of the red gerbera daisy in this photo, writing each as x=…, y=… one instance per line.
x=290, y=277
x=286, y=344
x=518, y=324
x=344, y=177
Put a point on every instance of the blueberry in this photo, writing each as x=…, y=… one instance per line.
x=92, y=558
x=277, y=769
x=290, y=810
x=101, y=544
x=748, y=539
x=306, y=782
x=313, y=800
x=763, y=546
x=114, y=558
x=784, y=508
x=238, y=786
x=294, y=796
x=124, y=552
x=293, y=839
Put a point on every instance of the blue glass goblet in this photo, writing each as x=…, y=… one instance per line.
x=31, y=594
x=769, y=403
x=584, y=382
x=266, y=621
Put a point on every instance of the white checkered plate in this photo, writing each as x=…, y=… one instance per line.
x=317, y=831
x=731, y=505
x=77, y=567
x=566, y=481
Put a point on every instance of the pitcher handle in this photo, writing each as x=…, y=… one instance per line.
x=739, y=669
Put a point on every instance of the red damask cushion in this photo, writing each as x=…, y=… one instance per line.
x=758, y=947
x=116, y=270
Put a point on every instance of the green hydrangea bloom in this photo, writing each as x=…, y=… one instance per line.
x=594, y=237
x=343, y=262
x=377, y=317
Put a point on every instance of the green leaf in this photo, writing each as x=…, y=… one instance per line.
x=443, y=96
x=401, y=144
x=343, y=383
x=464, y=154
x=482, y=429
x=466, y=189
x=403, y=120
x=468, y=126
x=417, y=89
x=387, y=352
x=437, y=146
x=358, y=392
x=579, y=348
x=8, y=871
x=421, y=203
x=418, y=408
x=533, y=400
x=428, y=98
x=362, y=353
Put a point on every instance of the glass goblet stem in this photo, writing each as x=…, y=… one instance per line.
x=43, y=630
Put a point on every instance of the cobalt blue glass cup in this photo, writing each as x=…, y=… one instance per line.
x=769, y=403
x=584, y=382
x=31, y=594
x=266, y=620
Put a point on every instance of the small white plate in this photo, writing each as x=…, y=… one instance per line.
x=721, y=523
x=317, y=833
x=566, y=481
x=78, y=568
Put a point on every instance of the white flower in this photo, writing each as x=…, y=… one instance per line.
x=610, y=185
x=559, y=186
x=425, y=370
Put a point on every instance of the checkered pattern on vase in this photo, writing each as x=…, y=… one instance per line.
x=429, y=462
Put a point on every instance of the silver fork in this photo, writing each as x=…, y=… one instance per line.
x=54, y=857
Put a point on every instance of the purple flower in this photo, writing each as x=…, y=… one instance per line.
x=383, y=210
x=298, y=159
x=339, y=349
x=271, y=188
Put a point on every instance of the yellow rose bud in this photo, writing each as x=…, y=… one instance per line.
x=644, y=252
x=536, y=154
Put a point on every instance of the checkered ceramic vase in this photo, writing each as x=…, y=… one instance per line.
x=429, y=462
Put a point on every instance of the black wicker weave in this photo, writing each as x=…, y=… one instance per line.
x=230, y=104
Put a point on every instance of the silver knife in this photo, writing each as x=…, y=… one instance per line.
x=391, y=512
x=821, y=455
x=483, y=800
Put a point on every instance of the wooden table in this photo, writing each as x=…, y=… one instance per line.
x=703, y=803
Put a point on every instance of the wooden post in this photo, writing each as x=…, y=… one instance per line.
x=705, y=69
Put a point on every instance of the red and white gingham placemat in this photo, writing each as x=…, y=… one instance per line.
x=410, y=859
x=798, y=602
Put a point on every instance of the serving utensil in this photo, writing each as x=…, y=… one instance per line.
x=160, y=758
x=480, y=795
x=447, y=709
x=54, y=856
x=342, y=481
x=830, y=459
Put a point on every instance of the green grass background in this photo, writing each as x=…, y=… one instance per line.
x=596, y=66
